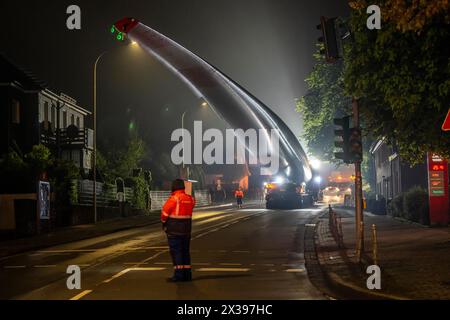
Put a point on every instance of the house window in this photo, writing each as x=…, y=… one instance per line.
x=46, y=115
x=78, y=122
x=53, y=116
x=72, y=119
x=15, y=112
x=64, y=119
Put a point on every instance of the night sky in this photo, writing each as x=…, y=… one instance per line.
x=266, y=46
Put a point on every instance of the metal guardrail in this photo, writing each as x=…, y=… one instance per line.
x=202, y=198
x=106, y=194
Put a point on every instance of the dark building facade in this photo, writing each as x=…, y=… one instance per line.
x=392, y=175
x=31, y=114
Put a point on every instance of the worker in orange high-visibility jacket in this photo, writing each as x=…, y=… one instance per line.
x=239, y=194
x=176, y=217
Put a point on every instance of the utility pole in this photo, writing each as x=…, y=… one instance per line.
x=359, y=217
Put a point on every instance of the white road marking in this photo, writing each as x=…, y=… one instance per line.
x=146, y=269
x=202, y=264
x=45, y=266
x=164, y=263
x=241, y=251
x=223, y=269
x=134, y=263
x=81, y=295
x=295, y=270
x=67, y=251
x=121, y=273
x=212, y=219
x=129, y=269
x=230, y=264
x=14, y=267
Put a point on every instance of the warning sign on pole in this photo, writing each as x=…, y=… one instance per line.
x=446, y=124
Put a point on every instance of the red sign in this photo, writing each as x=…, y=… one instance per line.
x=446, y=124
x=438, y=190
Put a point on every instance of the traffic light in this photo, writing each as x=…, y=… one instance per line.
x=330, y=39
x=344, y=138
x=355, y=145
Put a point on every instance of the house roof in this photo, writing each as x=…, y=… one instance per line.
x=11, y=73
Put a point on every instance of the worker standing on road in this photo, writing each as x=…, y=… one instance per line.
x=239, y=194
x=176, y=217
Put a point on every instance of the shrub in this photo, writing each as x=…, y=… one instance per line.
x=415, y=204
x=395, y=206
x=140, y=195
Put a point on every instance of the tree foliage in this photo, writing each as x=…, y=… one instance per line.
x=407, y=15
x=325, y=100
x=401, y=74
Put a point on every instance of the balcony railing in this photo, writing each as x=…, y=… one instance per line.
x=82, y=138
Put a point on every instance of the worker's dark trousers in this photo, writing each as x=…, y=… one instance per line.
x=181, y=257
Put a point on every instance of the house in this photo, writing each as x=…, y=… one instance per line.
x=32, y=114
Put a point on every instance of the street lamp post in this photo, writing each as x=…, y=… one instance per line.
x=184, y=151
x=94, y=161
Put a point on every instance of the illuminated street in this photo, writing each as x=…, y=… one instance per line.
x=252, y=253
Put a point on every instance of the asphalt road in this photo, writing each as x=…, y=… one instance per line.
x=251, y=253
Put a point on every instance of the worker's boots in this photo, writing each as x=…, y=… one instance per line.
x=187, y=276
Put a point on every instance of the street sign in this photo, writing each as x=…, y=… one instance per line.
x=446, y=124
x=44, y=200
x=438, y=190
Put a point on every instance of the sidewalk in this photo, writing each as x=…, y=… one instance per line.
x=414, y=259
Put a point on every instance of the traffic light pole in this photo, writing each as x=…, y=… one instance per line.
x=359, y=217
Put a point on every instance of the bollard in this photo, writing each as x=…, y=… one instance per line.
x=341, y=235
x=374, y=245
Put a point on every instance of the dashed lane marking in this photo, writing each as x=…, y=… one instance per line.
x=223, y=269
x=45, y=266
x=121, y=273
x=295, y=270
x=230, y=264
x=14, y=267
x=67, y=251
x=81, y=295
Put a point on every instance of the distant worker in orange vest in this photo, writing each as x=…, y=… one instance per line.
x=239, y=194
x=176, y=217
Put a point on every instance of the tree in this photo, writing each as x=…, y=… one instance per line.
x=409, y=15
x=325, y=100
x=121, y=162
x=401, y=74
